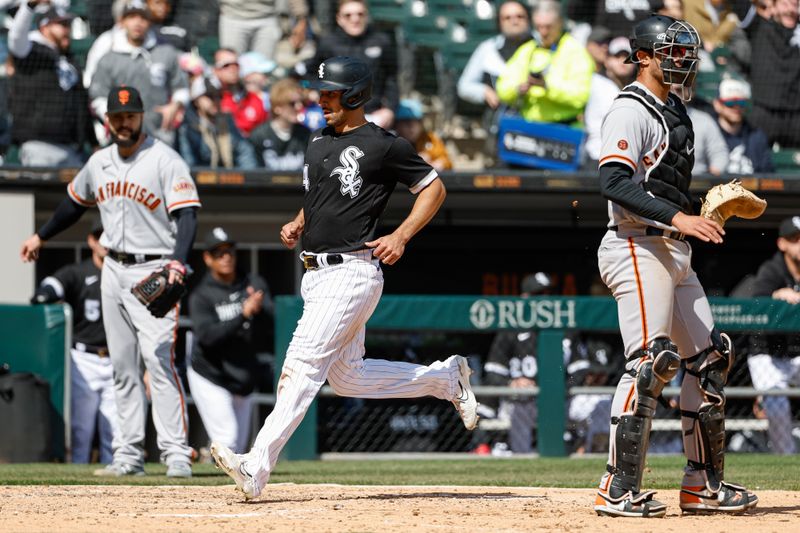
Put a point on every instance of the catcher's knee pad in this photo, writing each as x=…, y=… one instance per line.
x=712, y=366
x=654, y=373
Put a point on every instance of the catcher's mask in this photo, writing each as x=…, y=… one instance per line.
x=675, y=45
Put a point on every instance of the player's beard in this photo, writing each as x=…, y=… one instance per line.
x=125, y=143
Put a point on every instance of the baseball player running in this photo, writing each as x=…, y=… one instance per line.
x=645, y=173
x=147, y=202
x=91, y=396
x=351, y=168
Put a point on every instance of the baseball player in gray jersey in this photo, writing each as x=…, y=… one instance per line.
x=147, y=201
x=351, y=168
x=645, y=171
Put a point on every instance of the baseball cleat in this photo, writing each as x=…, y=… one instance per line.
x=640, y=505
x=233, y=465
x=728, y=499
x=119, y=470
x=465, y=403
x=179, y=469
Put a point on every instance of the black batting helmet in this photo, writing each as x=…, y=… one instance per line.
x=348, y=74
x=675, y=43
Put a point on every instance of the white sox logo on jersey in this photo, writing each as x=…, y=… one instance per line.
x=348, y=172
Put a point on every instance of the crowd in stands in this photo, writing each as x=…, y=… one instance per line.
x=223, y=80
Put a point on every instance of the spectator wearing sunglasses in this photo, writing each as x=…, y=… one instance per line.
x=226, y=308
x=354, y=36
x=246, y=106
x=749, y=148
x=280, y=143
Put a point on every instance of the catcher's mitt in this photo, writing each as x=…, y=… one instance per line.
x=157, y=293
x=729, y=199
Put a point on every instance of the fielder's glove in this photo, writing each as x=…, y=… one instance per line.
x=729, y=199
x=157, y=293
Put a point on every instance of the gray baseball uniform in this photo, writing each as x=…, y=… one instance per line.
x=135, y=197
x=657, y=291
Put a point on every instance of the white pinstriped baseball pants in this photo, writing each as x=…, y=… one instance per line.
x=658, y=295
x=329, y=343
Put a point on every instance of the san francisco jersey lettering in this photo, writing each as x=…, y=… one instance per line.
x=135, y=196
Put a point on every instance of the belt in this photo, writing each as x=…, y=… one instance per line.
x=314, y=261
x=658, y=232
x=101, y=351
x=132, y=259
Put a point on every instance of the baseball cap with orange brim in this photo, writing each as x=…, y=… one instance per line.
x=124, y=100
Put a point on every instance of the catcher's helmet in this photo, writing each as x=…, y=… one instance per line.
x=674, y=42
x=348, y=74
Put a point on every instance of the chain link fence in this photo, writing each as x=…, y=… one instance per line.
x=758, y=420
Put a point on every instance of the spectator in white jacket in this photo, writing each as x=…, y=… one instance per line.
x=476, y=83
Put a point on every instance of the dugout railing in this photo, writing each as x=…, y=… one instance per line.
x=552, y=317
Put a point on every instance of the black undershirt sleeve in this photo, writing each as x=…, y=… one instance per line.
x=186, y=219
x=66, y=214
x=616, y=185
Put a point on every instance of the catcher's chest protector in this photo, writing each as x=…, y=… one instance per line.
x=671, y=176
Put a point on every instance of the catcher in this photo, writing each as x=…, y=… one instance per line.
x=148, y=203
x=665, y=319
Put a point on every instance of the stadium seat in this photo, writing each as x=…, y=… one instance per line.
x=786, y=161
x=80, y=48
x=707, y=84
x=481, y=28
x=423, y=32
x=11, y=157
x=392, y=11
x=453, y=10
x=79, y=8
x=206, y=48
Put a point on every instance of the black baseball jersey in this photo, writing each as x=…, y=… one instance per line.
x=224, y=351
x=348, y=178
x=280, y=154
x=79, y=286
x=512, y=356
x=773, y=274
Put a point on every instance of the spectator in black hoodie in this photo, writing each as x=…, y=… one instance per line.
x=775, y=70
x=160, y=11
x=353, y=37
x=49, y=105
x=224, y=307
x=774, y=359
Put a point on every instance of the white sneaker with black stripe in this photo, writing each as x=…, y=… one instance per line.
x=233, y=465
x=465, y=402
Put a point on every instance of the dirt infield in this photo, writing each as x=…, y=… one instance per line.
x=299, y=508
